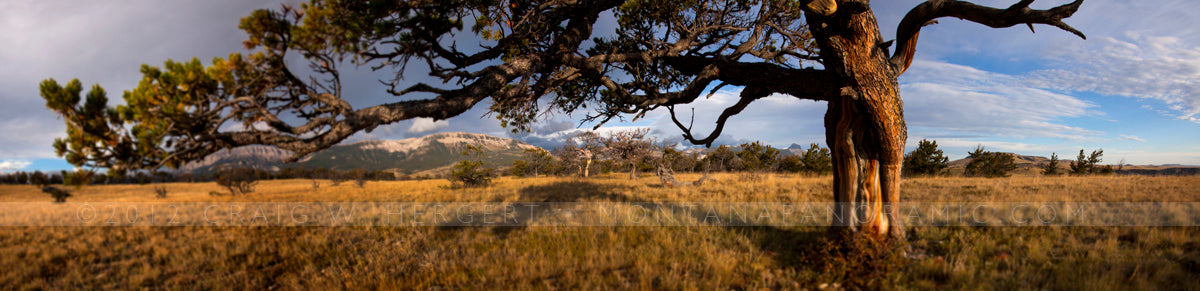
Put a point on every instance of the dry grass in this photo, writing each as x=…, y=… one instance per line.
x=548, y=257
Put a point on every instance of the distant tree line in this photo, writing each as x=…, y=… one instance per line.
x=1084, y=164
x=927, y=159
x=634, y=151
x=85, y=177
x=588, y=152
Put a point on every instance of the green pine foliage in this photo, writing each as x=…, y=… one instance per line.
x=722, y=159
x=471, y=172
x=927, y=159
x=989, y=164
x=757, y=156
x=817, y=160
x=791, y=164
x=1051, y=168
x=1087, y=164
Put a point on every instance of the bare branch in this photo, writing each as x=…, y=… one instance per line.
x=749, y=95
x=1019, y=13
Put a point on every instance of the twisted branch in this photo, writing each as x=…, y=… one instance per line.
x=1019, y=13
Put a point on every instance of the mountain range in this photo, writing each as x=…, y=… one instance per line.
x=433, y=153
x=436, y=153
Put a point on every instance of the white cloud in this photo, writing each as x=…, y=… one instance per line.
x=948, y=99
x=958, y=147
x=13, y=165
x=1131, y=138
x=425, y=125
x=1164, y=69
x=98, y=42
x=1152, y=157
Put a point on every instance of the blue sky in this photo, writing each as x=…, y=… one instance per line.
x=1132, y=88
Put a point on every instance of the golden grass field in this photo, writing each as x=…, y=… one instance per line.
x=603, y=257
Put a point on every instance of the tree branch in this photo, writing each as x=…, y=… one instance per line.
x=1019, y=13
x=749, y=95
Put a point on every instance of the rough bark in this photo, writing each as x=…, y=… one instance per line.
x=865, y=129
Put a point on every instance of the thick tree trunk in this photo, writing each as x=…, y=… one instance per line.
x=865, y=128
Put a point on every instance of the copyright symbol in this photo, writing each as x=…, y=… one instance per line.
x=79, y=213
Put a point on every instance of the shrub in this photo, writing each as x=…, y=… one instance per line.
x=60, y=195
x=360, y=179
x=336, y=178
x=160, y=191
x=791, y=164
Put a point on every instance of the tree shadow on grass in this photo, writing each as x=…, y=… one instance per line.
x=534, y=200
x=791, y=247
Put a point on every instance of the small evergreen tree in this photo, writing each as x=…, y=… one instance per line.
x=1080, y=165
x=927, y=159
x=536, y=162
x=817, y=160
x=473, y=171
x=1086, y=164
x=757, y=156
x=78, y=178
x=677, y=160
x=1094, y=160
x=989, y=164
x=1051, y=168
x=722, y=159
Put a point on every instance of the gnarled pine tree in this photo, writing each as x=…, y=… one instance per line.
x=665, y=53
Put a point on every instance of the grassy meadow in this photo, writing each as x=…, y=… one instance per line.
x=606, y=257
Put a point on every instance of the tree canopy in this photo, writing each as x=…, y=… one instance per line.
x=664, y=53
